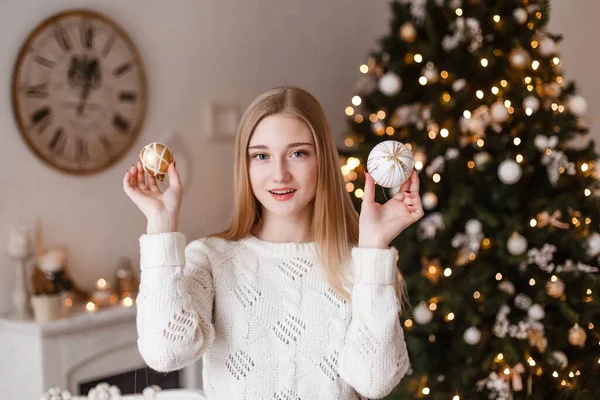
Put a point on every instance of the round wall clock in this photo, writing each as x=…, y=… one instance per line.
x=79, y=92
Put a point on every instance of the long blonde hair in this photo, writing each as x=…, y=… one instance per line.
x=335, y=220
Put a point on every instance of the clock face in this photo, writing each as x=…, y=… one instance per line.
x=79, y=92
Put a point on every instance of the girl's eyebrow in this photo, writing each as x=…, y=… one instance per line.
x=262, y=146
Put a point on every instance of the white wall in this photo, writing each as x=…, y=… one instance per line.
x=195, y=51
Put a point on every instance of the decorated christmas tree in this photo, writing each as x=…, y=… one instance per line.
x=502, y=271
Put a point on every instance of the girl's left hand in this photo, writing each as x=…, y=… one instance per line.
x=381, y=223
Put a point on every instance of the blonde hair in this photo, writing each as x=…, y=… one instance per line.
x=334, y=227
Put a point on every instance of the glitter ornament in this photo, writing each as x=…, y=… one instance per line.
x=390, y=163
x=155, y=159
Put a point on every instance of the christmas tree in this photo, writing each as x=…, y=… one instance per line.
x=502, y=271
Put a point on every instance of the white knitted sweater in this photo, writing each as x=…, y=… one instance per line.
x=265, y=322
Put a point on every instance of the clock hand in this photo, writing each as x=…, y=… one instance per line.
x=87, y=85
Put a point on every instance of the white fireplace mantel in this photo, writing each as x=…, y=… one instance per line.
x=66, y=352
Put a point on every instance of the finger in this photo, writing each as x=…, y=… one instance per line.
x=134, y=173
x=128, y=187
x=414, y=182
x=152, y=183
x=174, y=179
x=141, y=179
x=369, y=193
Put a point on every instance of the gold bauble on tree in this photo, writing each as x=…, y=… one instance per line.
x=155, y=159
x=555, y=287
x=577, y=335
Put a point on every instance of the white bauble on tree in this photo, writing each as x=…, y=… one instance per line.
x=509, y=172
x=430, y=200
x=499, y=112
x=408, y=33
x=520, y=15
x=532, y=103
x=390, y=84
x=547, y=47
x=516, y=244
x=472, y=336
x=577, y=105
x=536, y=312
x=422, y=314
x=473, y=227
x=559, y=359
x=519, y=58
x=390, y=163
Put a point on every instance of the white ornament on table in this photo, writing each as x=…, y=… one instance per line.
x=499, y=112
x=390, y=84
x=520, y=15
x=422, y=314
x=577, y=105
x=536, y=312
x=19, y=247
x=472, y=336
x=390, y=163
x=516, y=244
x=532, y=103
x=104, y=391
x=509, y=172
x=547, y=47
x=430, y=200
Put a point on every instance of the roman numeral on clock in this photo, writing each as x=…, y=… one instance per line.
x=58, y=142
x=38, y=91
x=63, y=40
x=121, y=123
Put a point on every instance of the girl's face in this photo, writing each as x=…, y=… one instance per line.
x=283, y=165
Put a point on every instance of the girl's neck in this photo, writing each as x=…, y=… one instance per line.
x=285, y=229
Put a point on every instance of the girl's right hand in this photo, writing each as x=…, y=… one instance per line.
x=160, y=208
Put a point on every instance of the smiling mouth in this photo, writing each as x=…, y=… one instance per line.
x=282, y=192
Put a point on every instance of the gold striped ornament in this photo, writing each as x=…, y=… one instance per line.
x=155, y=158
x=390, y=163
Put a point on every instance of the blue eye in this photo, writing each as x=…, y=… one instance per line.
x=299, y=153
x=260, y=156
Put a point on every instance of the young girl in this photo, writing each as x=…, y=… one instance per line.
x=299, y=298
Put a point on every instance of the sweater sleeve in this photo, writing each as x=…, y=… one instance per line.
x=175, y=301
x=374, y=357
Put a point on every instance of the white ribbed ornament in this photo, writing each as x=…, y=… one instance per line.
x=390, y=163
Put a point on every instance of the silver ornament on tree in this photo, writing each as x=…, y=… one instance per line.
x=422, y=314
x=516, y=244
x=559, y=359
x=430, y=200
x=520, y=15
x=509, y=172
x=390, y=163
x=531, y=103
x=499, y=112
x=473, y=227
x=547, y=47
x=536, y=312
x=577, y=105
x=472, y=336
x=390, y=84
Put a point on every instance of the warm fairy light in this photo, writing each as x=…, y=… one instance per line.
x=381, y=114
x=498, y=276
x=588, y=221
x=530, y=25
x=563, y=382
x=472, y=256
x=459, y=12
x=506, y=371
x=500, y=357
x=548, y=152
x=533, y=222
x=507, y=103
x=350, y=187
x=561, y=170
x=495, y=90
x=364, y=68
x=101, y=284
x=69, y=302
x=532, y=282
x=511, y=110
x=587, y=192
x=538, y=15
x=345, y=169
x=444, y=133
x=433, y=306
x=517, y=141
x=479, y=94
x=519, y=158
x=389, y=130
x=418, y=165
x=555, y=374
x=471, y=164
x=556, y=60
x=447, y=272
x=90, y=306
x=127, y=301
x=531, y=361
x=571, y=374
x=577, y=373
x=504, y=82
x=425, y=391
x=496, y=18
x=480, y=142
x=527, y=79
x=450, y=316
x=553, y=278
x=484, y=62
x=356, y=100
x=418, y=58
x=408, y=323
x=457, y=397
x=584, y=167
x=476, y=295
x=446, y=97
x=589, y=291
x=359, y=193
x=486, y=243
x=353, y=162
x=590, y=326
x=534, y=43
x=349, y=111
x=444, y=74
x=467, y=114
x=554, y=107
x=559, y=79
x=528, y=111
x=530, y=88
x=423, y=81
x=535, y=65
x=561, y=108
x=349, y=142
x=436, y=178
x=432, y=135
x=373, y=117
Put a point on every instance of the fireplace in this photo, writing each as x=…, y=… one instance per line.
x=135, y=381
